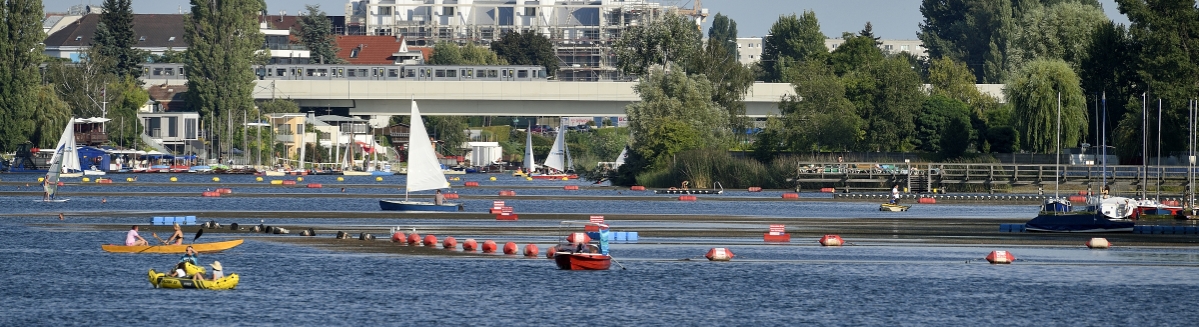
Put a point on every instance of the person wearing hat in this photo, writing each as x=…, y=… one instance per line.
x=218, y=272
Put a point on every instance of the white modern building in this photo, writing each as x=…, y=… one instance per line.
x=749, y=49
x=583, y=31
x=915, y=47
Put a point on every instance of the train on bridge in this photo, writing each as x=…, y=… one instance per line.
x=154, y=72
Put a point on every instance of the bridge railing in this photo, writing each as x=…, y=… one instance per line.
x=992, y=172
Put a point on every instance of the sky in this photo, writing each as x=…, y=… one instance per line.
x=892, y=19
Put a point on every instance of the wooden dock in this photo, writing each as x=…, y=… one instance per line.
x=928, y=177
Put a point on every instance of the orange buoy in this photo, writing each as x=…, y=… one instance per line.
x=430, y=240
x=314, y=185
x=507, y=193
x=1077, y=198
x=470, y=245
x=488, y=246
x=398, y=237
x=1098, y=243
x=927, y=201
x=449, y=242
x=687, y=198
x=998, y=257
x=831, y=240
x=790, y=195
x=571, y=187
x=510, y=248
x=413, y=238
x=451, y=196
x=755, y=189
x=827, y=190
x=578, y=238
x=719, y=254
x=531, y=250
x=637, y=188
x=472, y=184
x=550, y=251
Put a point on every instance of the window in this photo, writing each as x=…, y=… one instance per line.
x=385, y=11
x=189, y=128
x=530, y=11
x=492, y=73
x=835, y=46
x=888, y=47
x=522, y=73
x=451, y=73
x=141, y=39
x=411, y=73
x=903, y=48
x=440, y=73
x=281, y=72
x=172, y=126
x=468, y=73
x=448, y=11
x=300, y=129
x=172, y=39
x=393, y=72
x=351, y=73
x=77, y=38
x=751, y=56
x=354, y=53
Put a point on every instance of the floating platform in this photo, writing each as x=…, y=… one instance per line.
x=696, y=191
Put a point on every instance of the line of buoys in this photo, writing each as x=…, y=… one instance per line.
x=470, y=245
x=451, y=196
x=210, y=194
x=531, y=250
x=831, y=240
x=1077, y=198
x=510, y=248
x=1000, y=257
x=927, y=201
x=1098, y=243
x=289, y=182
x=449, y=243
x=719, y=254
x=827, y=190
x=755, y=189
x=488, y=246
x=343, y=235
x=314, y=185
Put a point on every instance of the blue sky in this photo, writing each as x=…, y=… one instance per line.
x=892, y=19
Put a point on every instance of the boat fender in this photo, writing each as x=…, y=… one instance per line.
x=280, y=230
x=365, y=237
x=233, y=226
x=308, y=232
x=256, y=229
x=342, y=235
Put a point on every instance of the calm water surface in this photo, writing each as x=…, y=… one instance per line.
x=58, y=276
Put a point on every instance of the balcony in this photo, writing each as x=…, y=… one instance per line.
x=91, y=138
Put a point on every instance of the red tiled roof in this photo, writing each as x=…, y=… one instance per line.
x=372, y=49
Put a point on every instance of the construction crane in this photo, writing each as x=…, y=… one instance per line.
x=697, y=11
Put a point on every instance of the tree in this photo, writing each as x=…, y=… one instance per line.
x=1033, y=94
x=1166, y=38
x=170, y=56
x=818, y=117
x=1109, y=74
x=791, y=39
x=724, y=32
x=53, y=114
x=887, y=97
x=943, y=127
x=127, y=96
x=676, y=113
x=116, y=39
x=856, y=52
x=82, y=86
x=952, y=79
x=1061, y=31
x=729, y=79
x=317, y=35
x=278, y=106
x=224, y=43
x=21, y=53
x=974, y=32
x=868, y=31
x=448, y=53
x=530, y=48
x=450, y=131
x=673, y=39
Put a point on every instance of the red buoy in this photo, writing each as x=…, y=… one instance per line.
x=507, y=193
x=472, y=184
x=1098, y=243
x=637, y=188
x=470, y=245
x=488, y=246
x=998, y=257
x=719, y=254
x=687, y=198
x=510, y=248
x=413, y=238
x=430, y=240
x=314, y=185
x=531, y=250
x=449, y=242
x=550, y=251
x=790, y=195
x=398, y=237
x=571, y=187
x=927, y=201
x=831, y=240
x=755, y=189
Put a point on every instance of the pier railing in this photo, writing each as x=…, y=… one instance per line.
x=922, y=177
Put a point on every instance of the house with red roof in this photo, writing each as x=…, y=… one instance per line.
x=379, y=50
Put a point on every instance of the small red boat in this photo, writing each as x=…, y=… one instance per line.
x=582, y=261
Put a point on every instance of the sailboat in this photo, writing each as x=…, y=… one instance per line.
x=65, y=157
x=528, y=154
x=558, y=159
x=1101, y=215
x=424, y=173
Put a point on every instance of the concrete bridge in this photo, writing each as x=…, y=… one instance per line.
x=485, y=98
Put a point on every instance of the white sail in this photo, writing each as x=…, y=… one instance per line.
x=620, y=159
x=557, y=154
x=529, y=149
x=424, y=173
x=70, y=154
x=62, y=152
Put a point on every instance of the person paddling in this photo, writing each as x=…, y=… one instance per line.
x=133, y=239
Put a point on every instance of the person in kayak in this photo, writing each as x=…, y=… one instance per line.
x=133, y=239
x=177, y=237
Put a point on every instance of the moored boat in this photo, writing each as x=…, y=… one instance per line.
x=575, y=253
x=582, y=261
x=893, y=207
x=199, y=247
x=1109, y=215
x=424, y=172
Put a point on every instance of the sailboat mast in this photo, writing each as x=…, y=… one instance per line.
x=1144, y=145
x=1159, y=150
x=1057, y=174
x=1103, y=131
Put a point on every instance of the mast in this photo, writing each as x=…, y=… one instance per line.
x=1159, y=150
x=1057, y=174
x=1144, y=144
x=1103, y=131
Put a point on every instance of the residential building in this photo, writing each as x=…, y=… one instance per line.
x=156, y=34
x=915, y=47
x=583, y=31
x=380, y=50
x=749, y=49
x=165, y=98
x=178, y=132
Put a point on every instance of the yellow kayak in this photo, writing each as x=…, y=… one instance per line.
x=200, y=247
x=161, y=280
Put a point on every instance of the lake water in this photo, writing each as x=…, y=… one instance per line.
x=57, y=275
